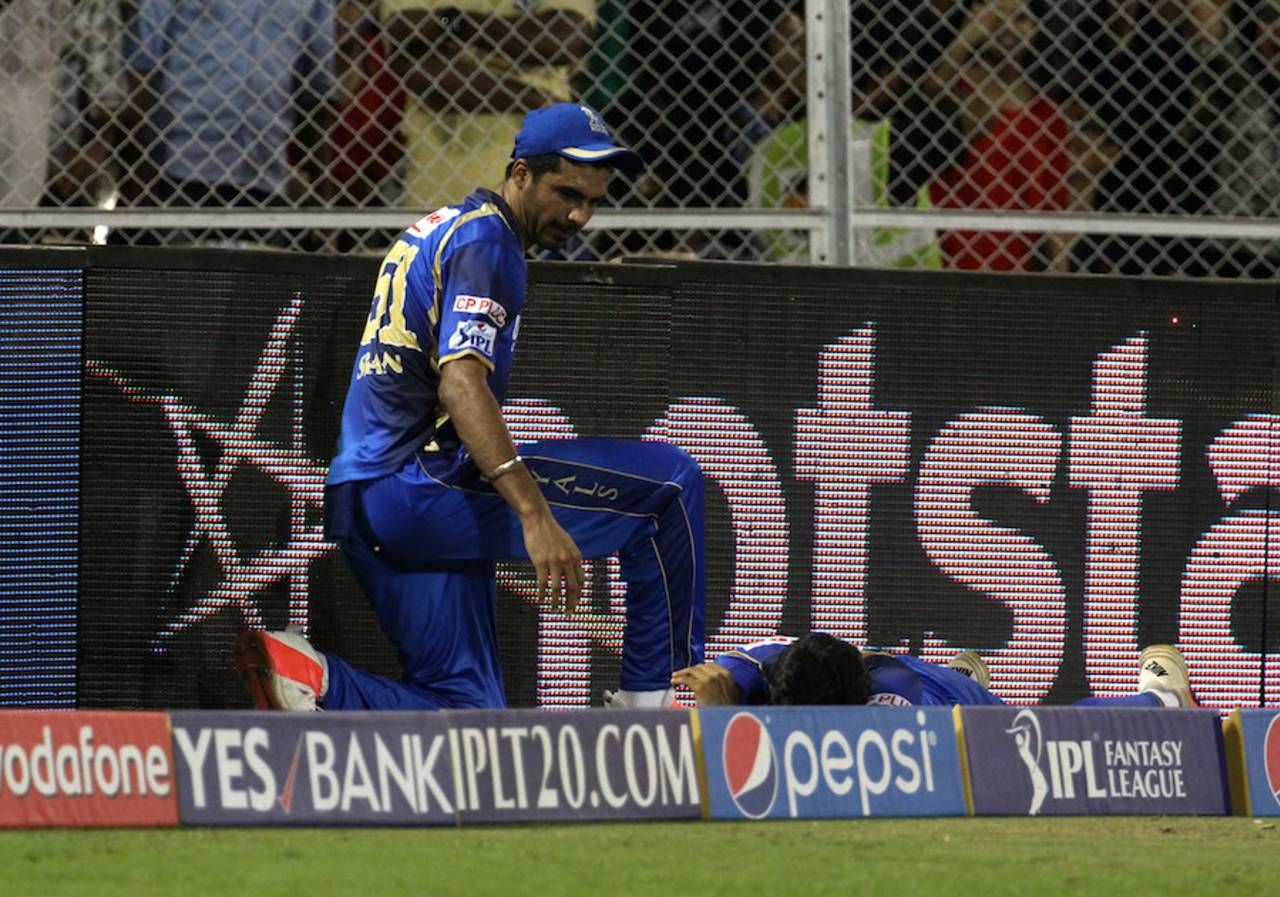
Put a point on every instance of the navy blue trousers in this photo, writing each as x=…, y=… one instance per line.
x=423, y=548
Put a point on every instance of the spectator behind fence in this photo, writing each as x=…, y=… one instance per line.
x=1019, y=143
x=605, y=79
x=1141, y=112
x=1242, y=152
x=218, y=90
x=770, y=149
x=62, y=77
x=32, y=40
x=88, y=95
x=895, y=43
x=366, y=147
x=472, y=69
x=694, y=62
x=776, y=99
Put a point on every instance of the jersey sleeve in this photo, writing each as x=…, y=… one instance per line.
x=748, y=674
x=481, y=294
x=749, y=668
x=893, y=682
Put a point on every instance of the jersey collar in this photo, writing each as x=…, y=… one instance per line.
x=508, y=216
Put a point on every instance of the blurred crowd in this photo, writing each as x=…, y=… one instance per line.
x=1129, y=106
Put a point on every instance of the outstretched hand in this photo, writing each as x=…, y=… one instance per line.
x=710, y=683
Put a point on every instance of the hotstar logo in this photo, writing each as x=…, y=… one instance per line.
x=242, y=579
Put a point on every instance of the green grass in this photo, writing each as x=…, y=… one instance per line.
x=1133, y=857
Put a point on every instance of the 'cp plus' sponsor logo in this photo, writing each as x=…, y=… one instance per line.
x=750, y=766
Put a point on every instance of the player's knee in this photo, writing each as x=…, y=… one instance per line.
x=691, y=472
x=684, y=468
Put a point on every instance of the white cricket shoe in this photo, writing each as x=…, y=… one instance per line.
x=639, y=700
x=1163, y=671
x=972, y=665
x=281, y=670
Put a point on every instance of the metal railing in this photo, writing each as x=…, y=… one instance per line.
x=1125, y=136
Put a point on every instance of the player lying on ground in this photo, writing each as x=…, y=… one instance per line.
x=427, y=490
x=822, y=669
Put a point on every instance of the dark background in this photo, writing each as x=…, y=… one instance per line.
x=613, y=346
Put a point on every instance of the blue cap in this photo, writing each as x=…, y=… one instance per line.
x=576, y=132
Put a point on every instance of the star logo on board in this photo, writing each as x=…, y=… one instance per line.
x=242, y=579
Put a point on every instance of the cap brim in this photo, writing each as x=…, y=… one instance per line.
x=626, y=160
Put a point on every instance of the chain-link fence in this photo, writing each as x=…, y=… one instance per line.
x=1130, y=136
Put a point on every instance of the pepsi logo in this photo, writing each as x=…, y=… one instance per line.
x=1271, y=756
x=750, y=767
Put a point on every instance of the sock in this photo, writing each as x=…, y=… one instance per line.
x=1150, y=698
x=645, y=700
x=1168, y=699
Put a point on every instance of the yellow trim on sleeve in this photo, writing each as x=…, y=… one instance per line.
x=742, y=655
x=454, y=356
x=482, y=212
x=437, y=296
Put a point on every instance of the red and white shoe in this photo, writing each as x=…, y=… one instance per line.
x=281, y=670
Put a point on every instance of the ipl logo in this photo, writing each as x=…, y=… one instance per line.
x=750, y=767
x=1026, y=737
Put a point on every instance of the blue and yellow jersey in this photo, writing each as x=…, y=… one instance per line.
x=896, y=679
x=452, y=286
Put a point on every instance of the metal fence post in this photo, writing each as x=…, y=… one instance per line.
x=829, y=126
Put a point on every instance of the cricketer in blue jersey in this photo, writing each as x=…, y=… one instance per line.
x=427, y=489
x=822, y=669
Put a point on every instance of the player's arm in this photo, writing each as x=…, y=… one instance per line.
x=735, y=677
x=474, y=411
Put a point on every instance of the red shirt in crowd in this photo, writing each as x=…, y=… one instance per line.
x=366, y=135
x=1021, y=163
